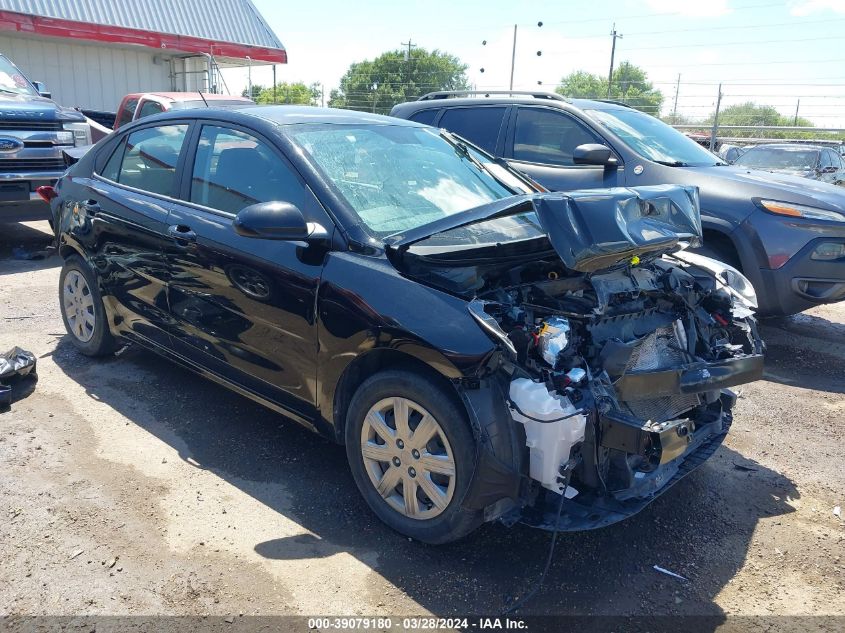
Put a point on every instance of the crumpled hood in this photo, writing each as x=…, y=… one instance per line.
x=596, y=229
x=591, y=229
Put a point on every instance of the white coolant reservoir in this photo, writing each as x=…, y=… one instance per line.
x=552, y=428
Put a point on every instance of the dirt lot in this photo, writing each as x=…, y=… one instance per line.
x=131, y=486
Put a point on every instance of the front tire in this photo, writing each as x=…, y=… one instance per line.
x=82, y=309
x=412, y=455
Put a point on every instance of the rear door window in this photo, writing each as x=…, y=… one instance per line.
x=549, y=137
x=149, y=158
x=478, y=125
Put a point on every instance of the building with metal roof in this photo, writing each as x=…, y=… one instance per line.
x=90, y=53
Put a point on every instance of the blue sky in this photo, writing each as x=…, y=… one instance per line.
x=771, y=52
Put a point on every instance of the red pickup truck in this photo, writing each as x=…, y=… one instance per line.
x=137, y=105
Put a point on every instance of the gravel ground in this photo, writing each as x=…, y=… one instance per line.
x=131, y=486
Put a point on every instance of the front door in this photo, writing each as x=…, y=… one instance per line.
x=541, y=142
x=244, y=307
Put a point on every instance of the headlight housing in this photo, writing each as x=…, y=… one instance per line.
x=81, y=133
x=727, y=276
x=798, y=210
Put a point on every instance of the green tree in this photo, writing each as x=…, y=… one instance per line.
x=394, y=77
x=296, y=93
x=256, y=90
x=630, y=84
x=750, y=113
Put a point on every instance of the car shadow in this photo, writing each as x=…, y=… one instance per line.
x=805, y=351
x=701, y=529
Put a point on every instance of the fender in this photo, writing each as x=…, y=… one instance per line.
x=369, y=317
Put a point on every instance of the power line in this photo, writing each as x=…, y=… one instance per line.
x=740, y=43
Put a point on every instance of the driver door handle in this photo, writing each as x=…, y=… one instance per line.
x=181, y=234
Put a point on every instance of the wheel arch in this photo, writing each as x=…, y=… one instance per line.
x=382, y=358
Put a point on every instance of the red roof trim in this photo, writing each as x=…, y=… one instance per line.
x=55, y=27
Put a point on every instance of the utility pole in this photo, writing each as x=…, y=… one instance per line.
x=715, y=121
x=797, y=105
x=274, y=83
x=513, y=55
x=410, y=45
x=675, y=109
x=615, y=37
x=249, y=76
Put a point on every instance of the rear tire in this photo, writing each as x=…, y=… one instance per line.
x=408, y=438
x=82, y=309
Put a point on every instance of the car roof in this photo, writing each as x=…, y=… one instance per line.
x=287, y=115
x=554, y=101
x=190, y=96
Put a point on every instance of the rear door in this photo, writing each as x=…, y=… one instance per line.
x=244, y=308
x=127, y=205
x=540, y=142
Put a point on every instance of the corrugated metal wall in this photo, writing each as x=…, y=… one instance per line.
x=235, y=21
x=90, y=76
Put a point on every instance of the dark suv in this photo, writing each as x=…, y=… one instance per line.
x=785, y=233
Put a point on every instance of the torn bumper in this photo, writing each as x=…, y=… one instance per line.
x=596, y=509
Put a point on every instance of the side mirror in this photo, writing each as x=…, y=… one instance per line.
x=828, y=170
x=42, y=90
x=593, y=154
x=279, y=221
x=272, y=221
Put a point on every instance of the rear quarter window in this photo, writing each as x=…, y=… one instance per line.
x=426, y=117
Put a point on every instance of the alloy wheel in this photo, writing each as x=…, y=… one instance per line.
x=78, y=306
x=408, y=458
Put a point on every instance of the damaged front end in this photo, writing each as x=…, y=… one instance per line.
x=618, y=348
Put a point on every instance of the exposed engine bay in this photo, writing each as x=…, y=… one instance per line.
x=641, y=353
x=618, y=375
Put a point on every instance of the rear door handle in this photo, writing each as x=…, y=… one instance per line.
x=181, y=233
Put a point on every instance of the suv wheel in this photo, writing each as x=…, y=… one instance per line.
x=412, y=456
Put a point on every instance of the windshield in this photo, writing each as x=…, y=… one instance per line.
x=779, y=158
x=652, y=139
x=397, y=178
x=13, y=81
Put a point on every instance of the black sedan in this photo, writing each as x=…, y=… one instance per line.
x=485, y=350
